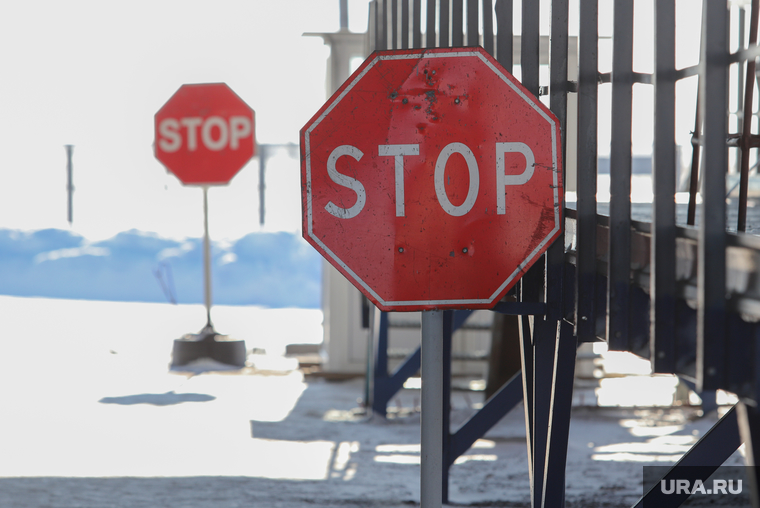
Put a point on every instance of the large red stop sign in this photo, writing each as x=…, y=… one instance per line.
x=431, y=179
x=205, y=134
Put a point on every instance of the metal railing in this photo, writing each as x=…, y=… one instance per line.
x=686, y=296
x=398, y=24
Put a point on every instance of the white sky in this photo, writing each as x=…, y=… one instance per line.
x=93, y=74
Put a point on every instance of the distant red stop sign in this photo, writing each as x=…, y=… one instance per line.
x=431, y=179
x=205, y=134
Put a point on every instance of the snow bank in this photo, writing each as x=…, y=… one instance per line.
x=267, y=269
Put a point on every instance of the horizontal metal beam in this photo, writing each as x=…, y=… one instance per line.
x=742, y=261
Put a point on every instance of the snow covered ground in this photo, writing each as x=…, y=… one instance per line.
x=91, y=416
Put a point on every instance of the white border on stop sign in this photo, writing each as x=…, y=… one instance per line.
x=539, y=248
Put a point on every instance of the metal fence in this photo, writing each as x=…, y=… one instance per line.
x=686, y=296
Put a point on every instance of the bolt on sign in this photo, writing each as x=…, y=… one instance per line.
x=205, y=134
x=432, y=179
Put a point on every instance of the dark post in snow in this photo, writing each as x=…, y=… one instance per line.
x=263, y=156
x=343, y=15
x=70, y=183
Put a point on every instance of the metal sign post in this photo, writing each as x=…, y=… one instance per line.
x=70, y=183
x=432, y=180
x=206, y=261
x=431, y=415
x=205, y=135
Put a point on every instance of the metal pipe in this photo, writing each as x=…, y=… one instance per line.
x=529, y=45
x=416, y=24
x=444, y=23
x=619, y=242
x=488, y=34
x=691, y=214
x=431, y=423
x=343, y=14
x=749, y=89
x=504, y=34
x=263, y=158
x=663, y=252
x=206, y=259
x=430, y=24
x=713, y=104
x=70, y=183
x=394, y=26
x=473, y=16
x=404, y=24
x=588, y=69
x=457, y=23
x=555, y=256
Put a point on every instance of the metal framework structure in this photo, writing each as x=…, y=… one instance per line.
x=686, y=297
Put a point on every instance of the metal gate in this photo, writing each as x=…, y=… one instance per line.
x=680, y=284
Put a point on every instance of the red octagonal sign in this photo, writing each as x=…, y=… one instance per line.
x=205, y=134
x=432, y=179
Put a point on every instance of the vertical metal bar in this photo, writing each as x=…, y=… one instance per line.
x=263, y=158
x=206, y=260
x=488, y=37
x=555, y=255
x=526, y=357
x=404, y=24
x=431, y=425
x=416, y=23
x=505, y=31
x=663, y=250
x=473, y=16
x=741, y=67
x=377, y=8
x=369, y=376
x=372, y=26
x=448, y=332
x=755, y=387
x=619, y=242
x=529, y=61
x=691, y=213
x=529, y=40
x=430, y=24
x=585, y=296
x=381, y=352
x=444, y=24
x=559, y=415
x=457, y=23
x=544, y=348
x=394, y=25
x=382, y=33
x=343, y=11
x=749, y=429
x=711, y=297
x=70, y=183
x=749, y=89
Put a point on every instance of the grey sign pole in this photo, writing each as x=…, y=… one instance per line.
x=431, y=416
x=206, y=259
x=70, y=183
